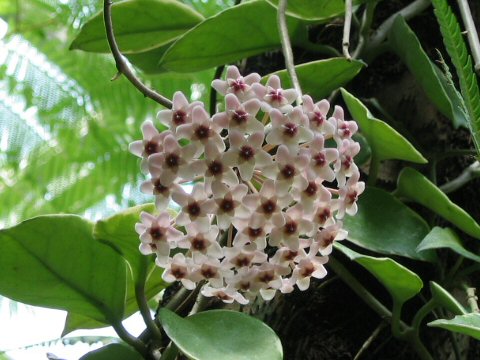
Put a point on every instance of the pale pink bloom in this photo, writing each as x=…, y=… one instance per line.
x=236, y=84
x=154, y=186
x=201, y=131
x=174, y=162
x=179, y=268
x=317, y=116
x=239, y=116
x=152, y=143
x=180, y=113
x=239, y=257
x=246, y=153
x=251, y=231
x=157, y=235
x=193, y=207
x=215, y=168
x=308, y=193
x=324, y=211
x=320, y=160
x=289, y=234
x=273, y=96
x=227, y=294
x=289, y=168
x=345, y=166
x=202, y=242
x=343, y=129
x=309, y=266
x=267, y=204
x=285, y=256
x=348, y=196
x=226, y=203
x=210, y=269
x=324, y=239
x=268, y=277
x=290, y=129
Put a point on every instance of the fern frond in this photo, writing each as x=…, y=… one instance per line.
x=456, y=48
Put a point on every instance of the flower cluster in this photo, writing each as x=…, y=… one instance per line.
x=272, y=183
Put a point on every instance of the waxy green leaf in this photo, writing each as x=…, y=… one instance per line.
x=235, y=33
x=468, y=324
x=319, y=78
x=416, y=187
x=113, y=352
x=118, y=231
x=400, y=282
x=445, y=238
x=444, y=298
x=221, y=335
x=385, y=142
x=315, y=10
x=139, y=25
x=405, y=44
x=375, y=226
x=54, y=261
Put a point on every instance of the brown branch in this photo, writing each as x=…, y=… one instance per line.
x=121, y=64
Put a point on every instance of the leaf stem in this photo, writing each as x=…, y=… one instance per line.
x=130, y=339
x=287, y=48
x=470, y=173
x=370, y=339
x=367, y=19
x=346, y=29
x=471, y=32
x=142, y=301
x=373, y=172
x=121, y=64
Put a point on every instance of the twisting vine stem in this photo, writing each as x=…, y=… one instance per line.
x=346, y=29
x=122, y=65
x=287, y=48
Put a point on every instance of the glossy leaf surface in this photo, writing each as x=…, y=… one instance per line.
x=139, y=25
x=221, y=335
x=401, y=283
x=416, y=187
x=406, y=45
x=315, y=10
x=319, y=78
x=446, y=238
x=235, y=33
x=375, y=226
x=444, y=298
x=468, y=324
x=54, y=261
x=113, y=352
x=385, y=141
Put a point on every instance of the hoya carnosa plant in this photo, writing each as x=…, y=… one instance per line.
x=272, y=183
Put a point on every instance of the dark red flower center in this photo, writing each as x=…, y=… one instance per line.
x=269, y=206
x=199, y=243
x=254, y=232
x=179, y=117
x=288, y=171
x=311, y=189
x=320, y=159
x=151, y=147
x=247, y=152
x=290, y=129
x=318, y=118
x=215, y=168
x=193, y=209
x=240, y=117
x=290, y=228
x=172, y=160
x=202, y=132
x=156, y=233
x=238, y=85
x=158, y=187
x=276, y=95
x=227, y=205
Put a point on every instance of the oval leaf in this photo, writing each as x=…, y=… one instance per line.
x=320, y=78
x=235, y=33
x=464, y=324
x=54, y=261
x=405, y=44
x=385, y=142
x=139, y=25
x=222, y=335
x=444, y=298
x=315, y=10
x=400, y=282
x=445, y=238
x=375, y=226
x=113, y=352
x=416, y=187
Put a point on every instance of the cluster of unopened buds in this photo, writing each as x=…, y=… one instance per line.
x=272, y=183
